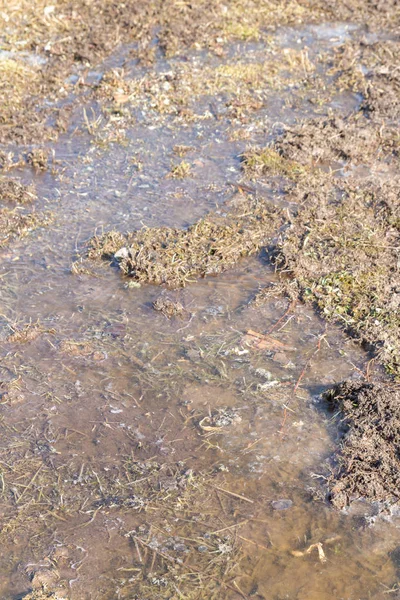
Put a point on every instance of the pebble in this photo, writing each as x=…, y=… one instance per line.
x=282, y=504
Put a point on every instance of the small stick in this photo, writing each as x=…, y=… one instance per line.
x=252, y=542
x=233, y=494
x=289, y=309
x=138, y=550
x=229, y=527
x=239, y=590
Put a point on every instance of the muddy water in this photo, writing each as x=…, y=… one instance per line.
x=151, y=458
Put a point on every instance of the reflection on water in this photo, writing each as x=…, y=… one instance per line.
x=118, y=410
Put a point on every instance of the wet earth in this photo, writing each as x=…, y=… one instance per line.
x=154, y=455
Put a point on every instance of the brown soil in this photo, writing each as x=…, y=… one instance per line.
x=370, y=69
x=70, y=37
x=368, y=464
x=338, y=240
x=326, y=140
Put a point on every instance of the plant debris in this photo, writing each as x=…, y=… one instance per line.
x=14, y=224
x=38, y=158
x=28, y=333
x=176, y=257
x=15, y=192
x=342, y=249
x=169, y=308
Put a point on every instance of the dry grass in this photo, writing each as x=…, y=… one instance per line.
x=14, y=224
x=342, y=249
x=15, y=192
x=176, y=257
x=27, y=333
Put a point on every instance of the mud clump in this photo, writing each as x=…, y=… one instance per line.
x=369, y=460
x=38, y=158
x=15, y=192
x=176, y=257
x=168, y=307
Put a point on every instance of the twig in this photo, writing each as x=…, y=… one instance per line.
x=233, y=494
x=289, y=309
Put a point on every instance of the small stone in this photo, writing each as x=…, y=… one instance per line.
x=282, y=504
x=121, y=253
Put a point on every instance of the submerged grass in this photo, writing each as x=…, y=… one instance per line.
x=14, y=224
x=15, y=192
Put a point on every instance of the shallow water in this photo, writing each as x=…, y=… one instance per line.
x=112, y=382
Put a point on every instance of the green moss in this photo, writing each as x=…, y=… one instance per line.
x=267, y=161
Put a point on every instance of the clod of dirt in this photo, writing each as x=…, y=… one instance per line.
x=283, y=504
x=76, y=348
x=223, y=417
x=369, y=460
x=45, y=579
x=38, y=158
x=178, y=256
x=169, y=308
x=15, y=192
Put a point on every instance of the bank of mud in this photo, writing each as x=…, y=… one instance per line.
x=168, y=428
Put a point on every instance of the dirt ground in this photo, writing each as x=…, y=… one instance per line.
x=368, y=464
x=301, y=98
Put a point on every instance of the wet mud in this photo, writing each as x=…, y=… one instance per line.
x=199, y=245
x=368, y=461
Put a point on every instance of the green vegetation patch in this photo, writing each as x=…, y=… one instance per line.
x=268, y=161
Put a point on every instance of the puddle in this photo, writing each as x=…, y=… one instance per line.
x=156, y=458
